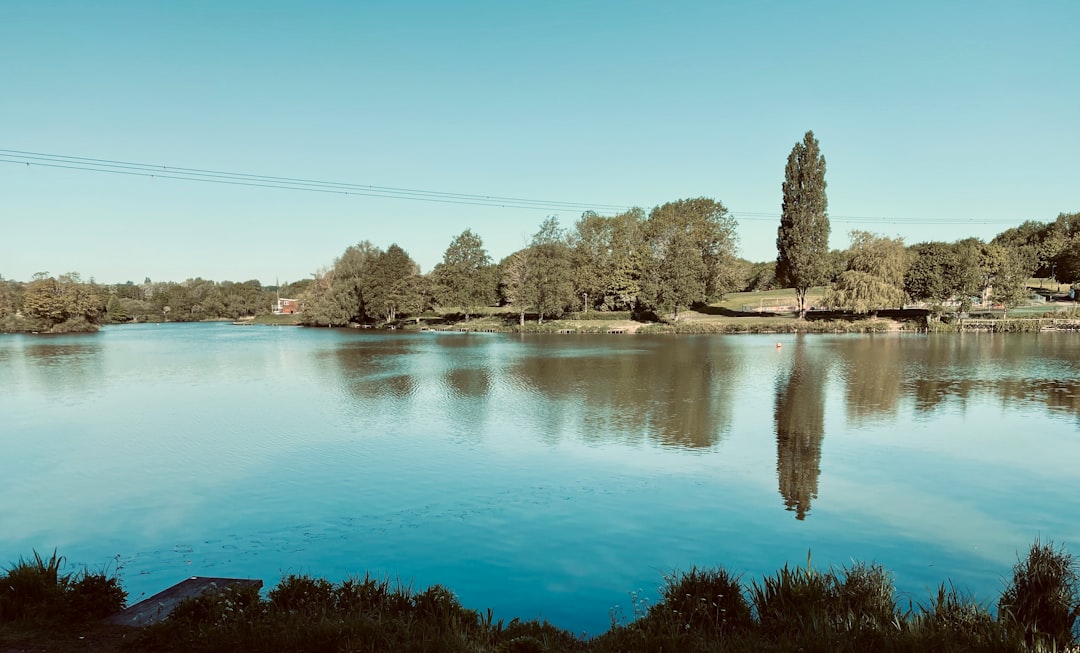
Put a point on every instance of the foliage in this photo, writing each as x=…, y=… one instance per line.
x=63, y=303
x=309, y=614
x=11, y=298
x=1003, y=275
x=513, y=272
x=343, y=293
x=465, y=277
x=929, y=276
x=547, y=283
x=874, y=278
x=1034, y=244
x=608, y=254
x=709, y=600
x=850, y=608
x=35, y=590
x=1065, y=263
x=610, y=316
x=690, y=246
x=761, y=276
x=1043, y=597
x=392, y=284
x=802, y=240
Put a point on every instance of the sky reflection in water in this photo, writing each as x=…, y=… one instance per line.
x=543, y=476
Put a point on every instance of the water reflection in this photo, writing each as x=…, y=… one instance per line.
x=186, y=424
x=63, y=367
x=372, y=368
x=1018, y=369
x=677, y=393
x=800, y=427
x=873, y=371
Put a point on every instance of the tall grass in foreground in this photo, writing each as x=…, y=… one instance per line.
x=34, y=590
x=1043, y=598
x=845, y=609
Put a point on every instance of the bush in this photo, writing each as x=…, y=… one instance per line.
x=1043, y=598
x=865, y=597
x=610, y=316
x=707, y=599
x=795, y=601
x=34, y=590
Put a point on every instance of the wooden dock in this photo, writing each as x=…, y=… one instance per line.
x=157, y=607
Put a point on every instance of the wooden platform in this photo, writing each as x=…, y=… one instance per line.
x=157, y=607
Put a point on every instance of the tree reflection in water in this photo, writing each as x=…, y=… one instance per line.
x=800, y=427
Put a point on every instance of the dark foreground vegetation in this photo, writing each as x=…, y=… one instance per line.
x=852, y=608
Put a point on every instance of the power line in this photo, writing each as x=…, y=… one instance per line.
x=109, y=166
x=288, y=183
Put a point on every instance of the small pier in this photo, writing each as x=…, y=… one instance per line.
x=616, y=330
x=157, y=607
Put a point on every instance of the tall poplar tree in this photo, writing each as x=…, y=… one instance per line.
x=802, y=241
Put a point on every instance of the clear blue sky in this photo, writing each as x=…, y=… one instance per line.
x=928, y=113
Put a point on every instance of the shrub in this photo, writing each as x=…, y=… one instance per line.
x=1043, y=598
x=34, y=589
x=794, y=601
x=707, y=599
x=302, y=593
x=953, y=621
x=865, y=597
x=94, y=595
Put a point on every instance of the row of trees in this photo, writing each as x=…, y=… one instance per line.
x=68, y=303
x=662, y=262
x=879, y=272
x=679, y=254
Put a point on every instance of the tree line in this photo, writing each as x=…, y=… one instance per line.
x=680, y=254
x=67, y=303
x=647, y=265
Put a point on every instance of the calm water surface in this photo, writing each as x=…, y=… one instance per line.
x=542, y=476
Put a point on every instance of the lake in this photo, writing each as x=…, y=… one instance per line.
x=544, y=476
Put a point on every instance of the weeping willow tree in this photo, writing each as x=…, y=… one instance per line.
x=874, y=278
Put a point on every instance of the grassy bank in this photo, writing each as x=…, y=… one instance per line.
x=853, y=608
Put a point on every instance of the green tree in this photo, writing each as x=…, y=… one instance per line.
x=761, y=276
x=802, y=241
x=10, y=297
x=64, y=303
x=591, y=252
x=874, y=277
x=465, y=277
x=115, y=309
x=1034, y=245
x=514, y=282
x=1004, y=275
x=390, y=282
x=549, y=284
x=931, y=274
x=608, y=254
x=691, y=248
x=340, y=295
x=1065, y=264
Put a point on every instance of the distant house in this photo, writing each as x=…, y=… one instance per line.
x=286, y=307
